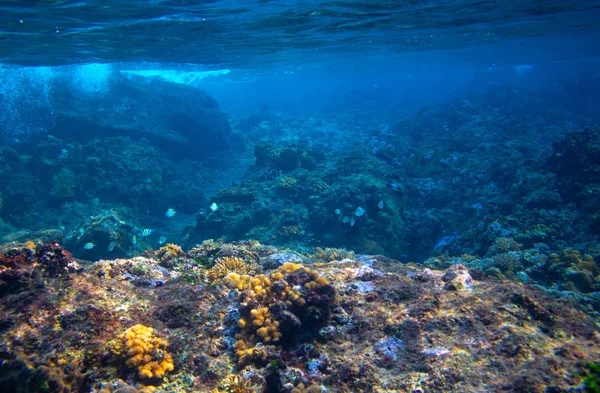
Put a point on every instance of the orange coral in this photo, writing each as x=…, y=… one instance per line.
x=147, y=352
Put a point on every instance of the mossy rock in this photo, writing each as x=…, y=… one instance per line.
x=581, y=280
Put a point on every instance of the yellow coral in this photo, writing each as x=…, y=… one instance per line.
x=170, y=250
x=289, y=267
x=146, y=352
x=227, y=265
x=258, y=324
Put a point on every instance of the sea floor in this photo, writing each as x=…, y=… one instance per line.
x=247, y=317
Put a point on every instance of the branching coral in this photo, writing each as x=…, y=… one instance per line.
x=227, y=265
x=508, y=261
x=234, y=383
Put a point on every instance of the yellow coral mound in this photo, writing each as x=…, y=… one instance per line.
x=257, y=322
x=147, y=352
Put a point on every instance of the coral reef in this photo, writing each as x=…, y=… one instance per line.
x=22, y=264
x=449, y=179
x=366, y=323
x=499, y=203
x=291, y=300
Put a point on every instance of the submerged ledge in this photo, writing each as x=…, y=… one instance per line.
x=246, y=317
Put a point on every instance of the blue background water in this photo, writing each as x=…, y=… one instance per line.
x=342, y=75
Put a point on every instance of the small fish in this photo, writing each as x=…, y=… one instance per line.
x=89, y=246
x=162, y=240
x=380, y=205
x=214, y=207
x=359, y=212
x=81, y=231
x=352, y=222
x=146, y=232
x=338, y=211
x=170, y=212
x=111, y=246
x=134, y=240
x=346, y=219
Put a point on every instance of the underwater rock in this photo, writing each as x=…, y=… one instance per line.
x=299, y=323
x=457, y=278
x=273, y=261
x=576, y=156
x=106, y=233
x=140, y=271
x=179, y=119
x=27, y=264
x=45, y=236
x=50, y=372
x=284, y=158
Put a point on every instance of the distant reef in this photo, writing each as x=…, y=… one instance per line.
x=491, y=173
x=180, y=119
x=247, y=317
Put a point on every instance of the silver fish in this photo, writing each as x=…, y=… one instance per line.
x=146, y=232
x=89, y=246
x=214, y=207
x=380, y=205
x=170, y=212
x=111, y=246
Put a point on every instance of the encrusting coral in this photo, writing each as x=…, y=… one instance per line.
x=146, y=352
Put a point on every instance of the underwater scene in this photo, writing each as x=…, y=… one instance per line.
x=264, y=196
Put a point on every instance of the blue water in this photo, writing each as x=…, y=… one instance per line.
x=247, y=34
x=118, y=111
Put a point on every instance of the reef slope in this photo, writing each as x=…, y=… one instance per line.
x=332, y=321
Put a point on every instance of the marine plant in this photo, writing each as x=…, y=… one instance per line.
x=592, y=378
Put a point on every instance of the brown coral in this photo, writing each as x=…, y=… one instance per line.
x=333, y=254
x=234, y=383
x=226, y=265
